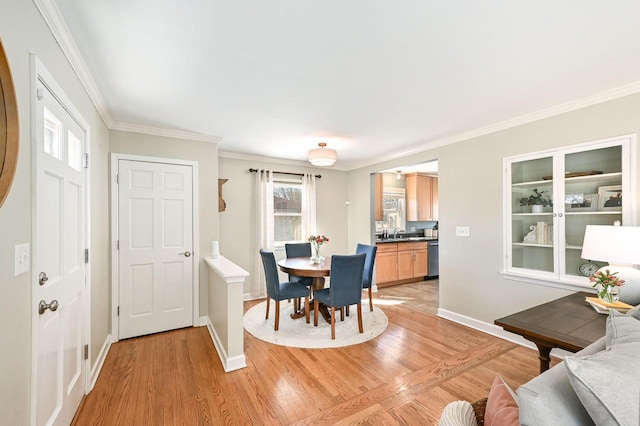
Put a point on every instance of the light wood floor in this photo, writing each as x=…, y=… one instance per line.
x=405, y=376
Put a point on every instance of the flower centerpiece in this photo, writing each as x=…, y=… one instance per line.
x=606, y=283
x=317, y=241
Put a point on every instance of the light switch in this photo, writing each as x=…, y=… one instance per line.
x=22, y=258
x=462, y=231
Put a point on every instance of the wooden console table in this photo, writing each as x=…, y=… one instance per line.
x=567, y=323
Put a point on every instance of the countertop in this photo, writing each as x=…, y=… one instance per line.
x=404, y=239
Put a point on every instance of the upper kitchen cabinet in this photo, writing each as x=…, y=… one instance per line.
x=379, y=212
x=550, y=197
x=422, y=197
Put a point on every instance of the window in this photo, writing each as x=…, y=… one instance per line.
x=287, y=211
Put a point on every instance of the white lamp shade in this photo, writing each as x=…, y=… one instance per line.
x=322, y=156
x=612, y=244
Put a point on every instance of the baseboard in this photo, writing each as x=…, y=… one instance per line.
x=229, y=364
x=97, y=367
x=495, y=330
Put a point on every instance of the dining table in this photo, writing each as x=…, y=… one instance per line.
x=305, y=267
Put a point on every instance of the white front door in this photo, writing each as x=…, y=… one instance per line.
x=59, y=259
x=155, y=238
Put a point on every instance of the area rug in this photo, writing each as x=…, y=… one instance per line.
x=297, y=333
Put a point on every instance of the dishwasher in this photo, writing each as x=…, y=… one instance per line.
x=433, y=258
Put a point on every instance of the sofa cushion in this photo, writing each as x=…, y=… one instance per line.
x=622, y=328
x=549, y=399
x=502, y=408
x=608, y=383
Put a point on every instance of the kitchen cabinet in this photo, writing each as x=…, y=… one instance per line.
x=387, y=263
x=379, y=212
x=545, y=243
x=401, y=262
x=422, y=197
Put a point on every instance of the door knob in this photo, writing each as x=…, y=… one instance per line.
x=186, y=253
x=43, y=278
x=43, y=306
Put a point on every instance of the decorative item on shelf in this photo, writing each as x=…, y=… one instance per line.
x=580, y=202
x=619, y=246
x=576, y=174
x=610, y=198
x=531, y=235
x=538, y=200
x=317, y=241
x=607, y=285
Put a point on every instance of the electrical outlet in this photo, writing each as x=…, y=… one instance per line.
x=22, y=259
x=462, y=231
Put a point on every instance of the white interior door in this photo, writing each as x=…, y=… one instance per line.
x=59, y=295
x=155, y=239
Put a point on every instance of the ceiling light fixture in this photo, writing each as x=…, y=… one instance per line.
x=322, y=156
x=399, y=174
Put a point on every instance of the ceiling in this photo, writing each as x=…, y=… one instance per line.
x=375, y=79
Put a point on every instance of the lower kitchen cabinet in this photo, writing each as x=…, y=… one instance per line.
x=403, y=262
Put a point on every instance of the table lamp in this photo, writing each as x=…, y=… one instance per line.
x=620, y=246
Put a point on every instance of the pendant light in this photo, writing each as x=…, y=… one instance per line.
x=322, y=156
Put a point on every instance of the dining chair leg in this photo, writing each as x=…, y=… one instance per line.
x=277, y=324
x=316, y=307
x=268, y=304
x=347, y=309
x=342, y=313
x=370, y=301
x=306, y=308
x=333, y=323
x=360, y=318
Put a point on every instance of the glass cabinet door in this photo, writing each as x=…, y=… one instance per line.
x=592, y=196
x=532, y=221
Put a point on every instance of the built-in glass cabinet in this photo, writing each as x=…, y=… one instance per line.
x=550, y=198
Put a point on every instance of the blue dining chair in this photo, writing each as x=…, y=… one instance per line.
x=367, y=279
x=280, y=291
x=299, y=250
x=345, y=288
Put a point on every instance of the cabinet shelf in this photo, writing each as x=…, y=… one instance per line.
x=619, y=212
x=532, y=245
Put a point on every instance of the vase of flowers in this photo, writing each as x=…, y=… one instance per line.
x=607, y=285
x=316, y=242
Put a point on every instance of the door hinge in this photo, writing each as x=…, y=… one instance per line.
x=118, y=311
x=117, y=244
x=39, y=93
x=86, y=255
x=86, y=351
x=118, y=178
x=86, y=160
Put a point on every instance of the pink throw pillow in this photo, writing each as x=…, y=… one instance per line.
x=502, y=408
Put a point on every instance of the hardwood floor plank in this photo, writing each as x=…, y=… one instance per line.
x=405, y=376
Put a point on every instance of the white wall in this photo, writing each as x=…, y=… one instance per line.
x=237, y=223
x=470, y=193
x=206, y=154
x=23, y=31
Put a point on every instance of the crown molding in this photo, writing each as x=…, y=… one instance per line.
x=609, y=95
x=53, y=18
x=159, y=131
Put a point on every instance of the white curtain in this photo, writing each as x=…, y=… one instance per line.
x=264, y=229
x=308, y=206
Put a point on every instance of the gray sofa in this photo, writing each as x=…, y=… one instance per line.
x=599, y=385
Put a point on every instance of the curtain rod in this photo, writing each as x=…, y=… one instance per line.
x=285, y=173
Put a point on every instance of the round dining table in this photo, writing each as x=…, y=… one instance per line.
x=304, y=267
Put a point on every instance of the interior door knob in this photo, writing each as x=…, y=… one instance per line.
x=186, y=253
x=43, y=306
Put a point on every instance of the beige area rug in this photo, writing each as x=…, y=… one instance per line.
x=297, y=333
